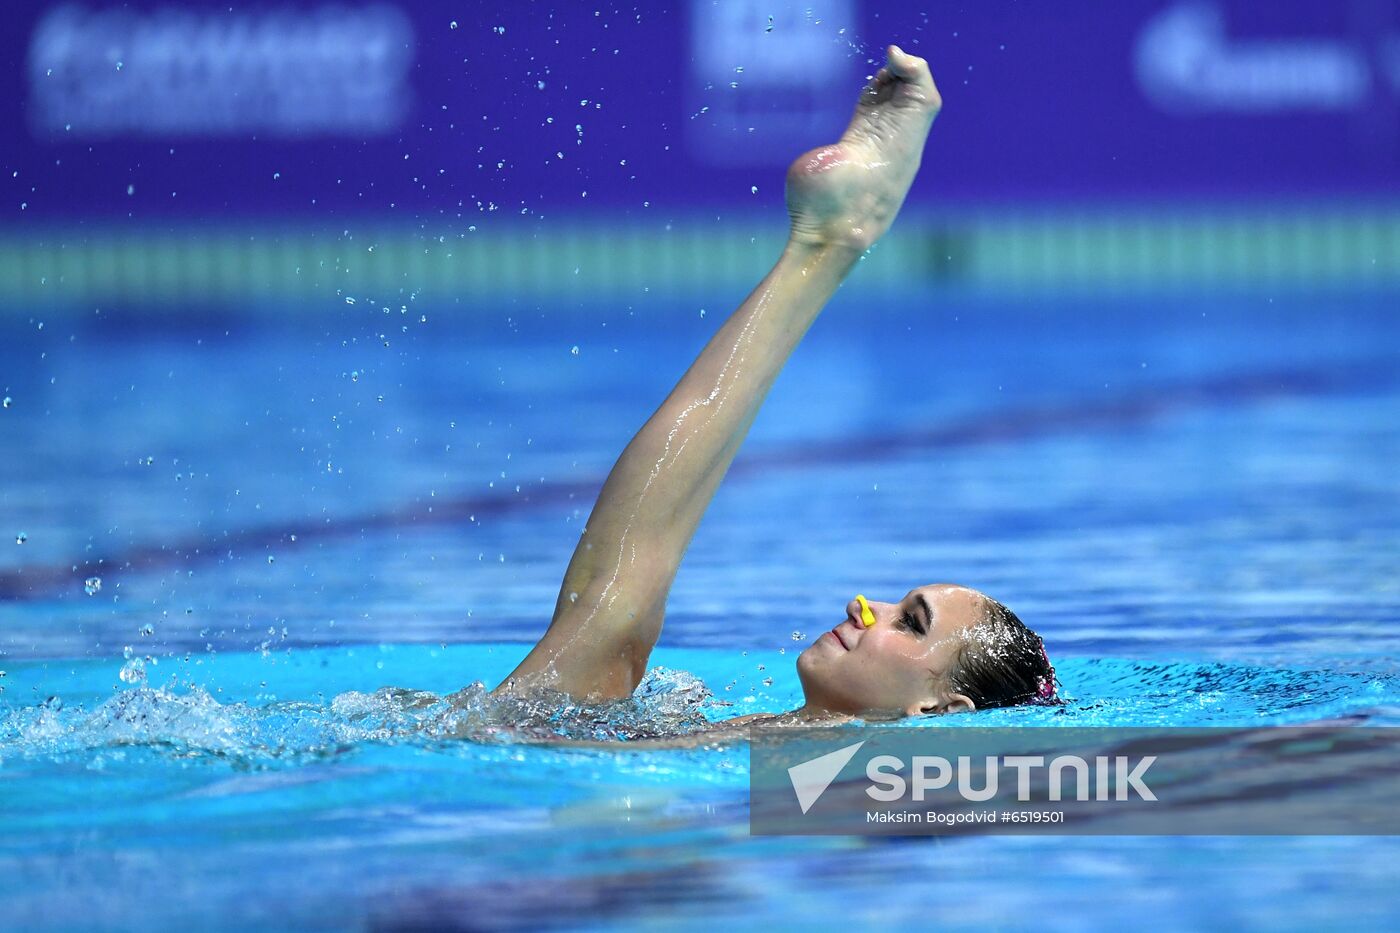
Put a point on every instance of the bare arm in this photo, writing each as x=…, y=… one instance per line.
x=610, y=607
x=841, y=198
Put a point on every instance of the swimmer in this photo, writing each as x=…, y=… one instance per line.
x=941, y=648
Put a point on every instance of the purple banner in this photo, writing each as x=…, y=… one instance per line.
x=453, y=112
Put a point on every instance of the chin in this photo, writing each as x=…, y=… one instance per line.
x=806, y=664
x=814, y=683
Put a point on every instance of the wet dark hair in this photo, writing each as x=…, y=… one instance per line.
x=1003, y=663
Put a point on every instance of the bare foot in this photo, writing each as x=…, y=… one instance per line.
x=848, y=193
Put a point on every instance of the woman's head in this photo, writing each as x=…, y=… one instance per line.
x=941, y=649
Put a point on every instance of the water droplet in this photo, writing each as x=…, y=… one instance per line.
x=148, y=629
x=768, y=681
x=271, y=559
x=753, y=189
x=92, y=585
x=769, y=27
x=798, y=636
x=573, y=597
x=133, y=671
x=574, y=350
x=452, y=25
x=7, y=402
x=128, y=652
x=21, y=538
x=54, y=703
x=355, y=375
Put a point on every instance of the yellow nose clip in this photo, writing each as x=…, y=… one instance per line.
x=867, y=618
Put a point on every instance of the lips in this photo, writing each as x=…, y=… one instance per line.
x=840, y=636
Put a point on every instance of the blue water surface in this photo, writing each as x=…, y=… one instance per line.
x=238, y=528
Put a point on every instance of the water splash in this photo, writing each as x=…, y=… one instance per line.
x=188, y=722
x=191, y=723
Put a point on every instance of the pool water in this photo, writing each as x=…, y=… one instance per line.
x=238, y=528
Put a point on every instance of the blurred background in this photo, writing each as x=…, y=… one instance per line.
x=268, y=266
x=214, y=154
x=300, y=278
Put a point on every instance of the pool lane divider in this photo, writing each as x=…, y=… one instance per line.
x=40, y=582
x=181, y=267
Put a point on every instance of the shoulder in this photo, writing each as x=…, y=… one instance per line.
x=717, y=735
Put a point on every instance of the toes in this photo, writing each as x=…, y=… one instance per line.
x=903, y=64
x=913, y=70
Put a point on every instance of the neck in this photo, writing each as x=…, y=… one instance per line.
x=815, y=714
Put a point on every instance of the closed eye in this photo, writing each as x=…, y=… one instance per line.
x=911, y=622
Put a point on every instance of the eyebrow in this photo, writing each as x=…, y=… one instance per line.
x=928, y=612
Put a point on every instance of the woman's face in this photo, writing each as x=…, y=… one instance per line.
x=898, y=665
